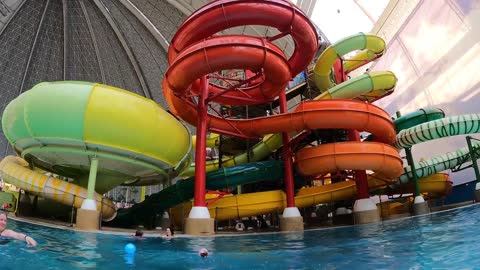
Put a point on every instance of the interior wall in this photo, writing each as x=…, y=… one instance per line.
x=436, y=56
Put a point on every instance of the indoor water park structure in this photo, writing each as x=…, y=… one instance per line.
x=291, y=128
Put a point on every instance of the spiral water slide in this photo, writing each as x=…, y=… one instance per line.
x=195, y=52
x=367, y=87
x=60, y=126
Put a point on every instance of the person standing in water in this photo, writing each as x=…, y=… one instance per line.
x=13, y=234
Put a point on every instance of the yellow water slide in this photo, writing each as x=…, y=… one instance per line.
x=252, y=204
x=15, y=171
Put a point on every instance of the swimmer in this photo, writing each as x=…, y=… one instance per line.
x=203, y=253
x=168, y=233
x=11, y=233
x=138, y=234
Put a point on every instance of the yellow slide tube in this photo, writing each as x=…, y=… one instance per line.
x=252, y=204
x=14, y=171
x=370, y=46
x=212, y=140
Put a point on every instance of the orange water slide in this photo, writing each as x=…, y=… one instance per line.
x=323, y=114
x=319, y=114
x=378, y=157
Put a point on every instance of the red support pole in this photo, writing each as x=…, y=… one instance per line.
x=360, y=176
x=287, y=159
x=353, y=135
x=200, y=150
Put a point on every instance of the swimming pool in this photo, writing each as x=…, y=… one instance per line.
x=447, y=240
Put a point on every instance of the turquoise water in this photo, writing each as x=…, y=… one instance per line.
x=447, y=240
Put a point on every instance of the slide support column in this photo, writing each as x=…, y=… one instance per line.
x=408, y=153
x=473, y=157
x=420, y=206
x=92, y=178
x=291, y=219
x=88, y=217
x=360, y=175
x=199, y=221
x=364, y=210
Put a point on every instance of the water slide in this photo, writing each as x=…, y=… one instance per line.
x=56, y=150
x=366, y=87
x=368, y=48
x=252, y=204
x=15, y=171
x=431, y=124
x=60, y=126
x=436, y=129
x=140, y=165
x=192, y=56
x=234, y=207
x=183, y=190
x=189, y=60
x=378, y=84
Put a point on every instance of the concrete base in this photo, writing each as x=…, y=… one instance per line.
x=291, y=223
x=89, y=204
x=364, y=217
x=420, y=208
x=365, y=211
x=88, y=219
x=199, y=226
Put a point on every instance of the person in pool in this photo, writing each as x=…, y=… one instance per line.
x=13, y=234
x=203, y=253
x=139, y=234
x=168, y=233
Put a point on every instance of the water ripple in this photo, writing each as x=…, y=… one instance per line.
x=445, y=240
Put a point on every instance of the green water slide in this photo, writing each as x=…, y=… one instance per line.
x=182, y=191
x=418, y=117
x=62, y=127
x=440, y=128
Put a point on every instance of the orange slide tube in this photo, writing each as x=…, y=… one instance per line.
x=378, y=157
x=318, y=114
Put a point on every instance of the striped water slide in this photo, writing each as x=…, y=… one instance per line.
x=15, y=171
x=432, y=130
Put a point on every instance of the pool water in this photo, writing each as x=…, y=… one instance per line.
x=447, y=240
